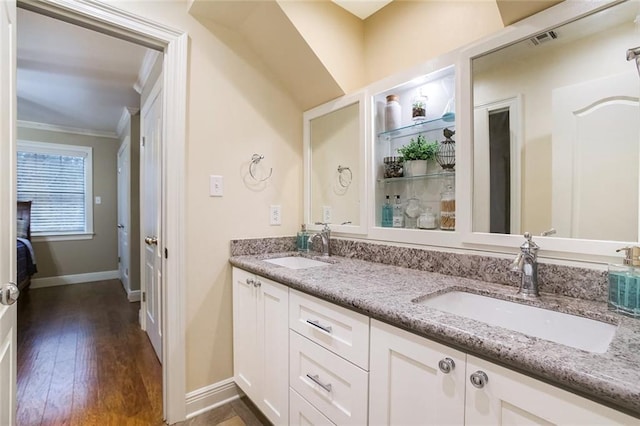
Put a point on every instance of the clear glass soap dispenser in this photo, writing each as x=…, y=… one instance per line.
x=624, y=283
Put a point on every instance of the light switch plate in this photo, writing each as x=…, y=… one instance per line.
x=326, y=214
x=216, y=186
x=275, y=215
x=98, y=200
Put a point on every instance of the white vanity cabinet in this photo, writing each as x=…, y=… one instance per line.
x=414, y=381
x=510, y=398
x=261, y=343
x=329, y=353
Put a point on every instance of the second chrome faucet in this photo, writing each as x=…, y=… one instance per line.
x=526, y=262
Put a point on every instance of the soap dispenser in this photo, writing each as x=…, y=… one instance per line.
x=624, y=283
x=302, y=239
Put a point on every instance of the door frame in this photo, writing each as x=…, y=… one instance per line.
x=174, y=43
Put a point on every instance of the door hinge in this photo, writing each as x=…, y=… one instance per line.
x=166, y=253
x=144, y=296
x=143, y=140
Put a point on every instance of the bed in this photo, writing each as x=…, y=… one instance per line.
x=26, y=262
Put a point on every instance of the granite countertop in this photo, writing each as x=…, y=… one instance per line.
x=387, y=293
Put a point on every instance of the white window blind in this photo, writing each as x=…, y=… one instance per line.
x=57, y=179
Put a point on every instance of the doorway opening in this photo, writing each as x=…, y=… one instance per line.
x=106, y=19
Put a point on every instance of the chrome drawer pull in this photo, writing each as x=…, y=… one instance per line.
x=316, y=323
x=316, y=379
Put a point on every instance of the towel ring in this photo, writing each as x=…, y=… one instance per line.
x=255, y=159
x=344, y=178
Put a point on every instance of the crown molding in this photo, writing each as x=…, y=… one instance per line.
x=148, y=61
x=127, y=112
x=65, y=129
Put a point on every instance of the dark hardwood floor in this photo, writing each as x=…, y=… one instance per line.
x=83, y=360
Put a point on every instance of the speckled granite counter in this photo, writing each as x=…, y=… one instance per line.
x=388, y=292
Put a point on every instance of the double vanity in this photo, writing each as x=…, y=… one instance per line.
x=369, y=343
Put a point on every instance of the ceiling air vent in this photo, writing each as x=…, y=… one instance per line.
x=543, y=38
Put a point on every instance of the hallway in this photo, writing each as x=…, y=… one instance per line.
x=83, y=360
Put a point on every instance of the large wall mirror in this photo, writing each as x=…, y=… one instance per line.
x=334, y=143
x=556, y=126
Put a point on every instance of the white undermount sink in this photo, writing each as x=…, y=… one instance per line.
x=577, y=332
x=296, y=262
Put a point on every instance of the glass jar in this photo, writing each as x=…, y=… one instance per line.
x=412, y=212
x=448, y=209
x=428, y=219
x=392, y=167
x=419, y=108
x=392, y=113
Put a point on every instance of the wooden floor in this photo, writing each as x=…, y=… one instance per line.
x=83, y=360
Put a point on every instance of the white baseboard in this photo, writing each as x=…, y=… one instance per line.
x=74, y=279
x=133, y=295
x=212, y=396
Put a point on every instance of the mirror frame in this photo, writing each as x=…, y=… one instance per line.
x=554, y=247
x=319, y=111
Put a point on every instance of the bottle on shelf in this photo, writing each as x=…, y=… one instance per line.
x=624, y=284
x=448, y=209
x=398, y=214
x=387, y=214
x=412, y=212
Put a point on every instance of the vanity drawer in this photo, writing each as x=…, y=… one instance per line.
x=338, y=329
x=303, y=413
x=333, y=385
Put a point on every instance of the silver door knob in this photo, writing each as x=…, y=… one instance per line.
x=151, y=241
x=9, y=294
x=446, y=365
x=479, y=379
x=120, y=226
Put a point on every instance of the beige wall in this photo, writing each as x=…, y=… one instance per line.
x=406, y=33
x=235, y=109
x=85, y=256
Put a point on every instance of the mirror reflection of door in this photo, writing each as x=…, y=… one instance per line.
x=496, y=195
x=595, y=144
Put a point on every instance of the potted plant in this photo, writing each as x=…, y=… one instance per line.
x=416, y=153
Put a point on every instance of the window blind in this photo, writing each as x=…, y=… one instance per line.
x=55, y=183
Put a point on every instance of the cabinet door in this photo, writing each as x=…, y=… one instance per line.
x=245, y=346
x=510, y=398
x=273, y=350
x=406, y=387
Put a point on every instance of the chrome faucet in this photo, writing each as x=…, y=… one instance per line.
x=526, y=262
x=325, y=235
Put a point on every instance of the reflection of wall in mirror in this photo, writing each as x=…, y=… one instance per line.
x=534, y=75
x=335, y=141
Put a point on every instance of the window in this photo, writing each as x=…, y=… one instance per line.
x=58, y=180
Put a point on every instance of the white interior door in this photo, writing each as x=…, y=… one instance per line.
x=8, y=291
x=150, y=195
x=595, y=151
x=124, y=154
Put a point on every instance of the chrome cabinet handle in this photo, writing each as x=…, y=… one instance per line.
x=250, y=281
x=151, y=241
x=479, y=379
x=257, y=283
x=120, y=226
x=316, y=323
x=316, y=379
x=446, y=365
x=9, y=294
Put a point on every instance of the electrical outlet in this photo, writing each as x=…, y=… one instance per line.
x=326, y=214
x=98, y=200
x=275, y=215
x=216, y=186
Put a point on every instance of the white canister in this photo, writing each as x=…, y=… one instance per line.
x=392, y=113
